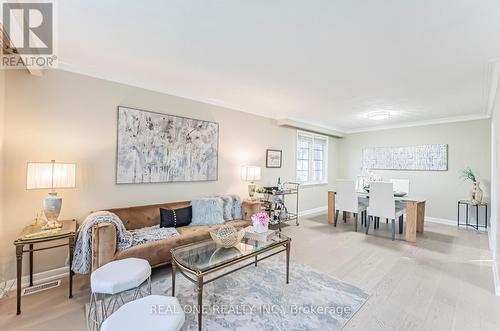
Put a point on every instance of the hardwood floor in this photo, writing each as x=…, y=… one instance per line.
x=444, y=282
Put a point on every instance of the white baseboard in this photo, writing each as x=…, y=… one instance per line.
x=448, y=222
x=313, y=211
x=438, y=220
x=38, y=278
x=427, y=218
x=496, y=279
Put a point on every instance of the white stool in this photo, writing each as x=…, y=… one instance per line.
x=151, y=313
x=112, y=279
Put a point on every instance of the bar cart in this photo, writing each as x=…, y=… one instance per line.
x=275, y=205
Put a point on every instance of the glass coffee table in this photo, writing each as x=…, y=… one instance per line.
x=196, y=261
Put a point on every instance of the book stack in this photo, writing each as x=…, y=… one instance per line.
x=252, y=235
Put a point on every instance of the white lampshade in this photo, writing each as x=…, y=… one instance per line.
x=50, y=175
x=250, y=173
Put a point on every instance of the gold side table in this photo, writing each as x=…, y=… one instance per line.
x=252, y=207
x=34, y=234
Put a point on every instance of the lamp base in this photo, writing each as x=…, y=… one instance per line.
x=251, y=190
x=51, y=208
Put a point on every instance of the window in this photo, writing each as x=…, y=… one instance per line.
x=312, y=157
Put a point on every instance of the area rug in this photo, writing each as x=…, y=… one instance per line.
x=258, y=298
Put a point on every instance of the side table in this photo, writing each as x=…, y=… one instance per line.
x=34, y=234
x=468, y=204
x=252, y=207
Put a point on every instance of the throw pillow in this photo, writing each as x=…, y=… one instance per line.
x=227, y=207
x=175, y=217
x=236, y=211
x=207, y=211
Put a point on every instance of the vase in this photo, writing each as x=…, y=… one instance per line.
x=477, y=193
x=51, y=208
x=258, y=227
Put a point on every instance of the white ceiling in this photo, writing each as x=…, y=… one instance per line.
x=324, y=62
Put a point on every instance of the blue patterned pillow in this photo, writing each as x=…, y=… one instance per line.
x=207, y=211
x=236, y=210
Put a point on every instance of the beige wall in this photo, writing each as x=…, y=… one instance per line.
x=468, y=145
x=70, y=117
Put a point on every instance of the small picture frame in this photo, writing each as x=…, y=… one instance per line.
x=273, y=158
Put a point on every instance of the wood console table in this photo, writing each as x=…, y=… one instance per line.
x=32, y=235
x=415, y=214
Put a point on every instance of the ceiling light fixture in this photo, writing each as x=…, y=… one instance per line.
x=378, y=115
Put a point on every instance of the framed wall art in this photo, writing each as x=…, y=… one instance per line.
x=421, y=157
x=273, y=158
x=158, y=148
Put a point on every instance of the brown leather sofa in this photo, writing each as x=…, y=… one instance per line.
x=158, y=252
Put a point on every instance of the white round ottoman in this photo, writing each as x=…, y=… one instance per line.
x=151, y=313
x=112, y=279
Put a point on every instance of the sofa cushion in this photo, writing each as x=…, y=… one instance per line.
x=199, y=233
x=239, y=223
x=207, y=211
x=158, y=252
x=175, y=217
x=236, y=210
x=227, y=207
x=144, y=216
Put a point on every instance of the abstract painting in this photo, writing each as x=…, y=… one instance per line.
x=157, y=148
x=422, y=157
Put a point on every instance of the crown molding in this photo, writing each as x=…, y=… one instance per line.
x=297, y=123
x=314, y=123
x=453, y=119
x=308, y=126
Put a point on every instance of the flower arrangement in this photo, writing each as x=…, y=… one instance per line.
x=476, y=194
x=260, y=222
x=261, y=218
x=468, y=173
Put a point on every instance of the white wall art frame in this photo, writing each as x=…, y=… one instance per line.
x=156, y=148
x=422, y=157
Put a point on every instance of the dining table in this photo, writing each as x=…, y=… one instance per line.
x=415, y=213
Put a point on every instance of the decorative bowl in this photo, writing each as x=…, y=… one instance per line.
x=227, y=236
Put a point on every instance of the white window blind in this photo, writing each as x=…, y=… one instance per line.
x=312, y=157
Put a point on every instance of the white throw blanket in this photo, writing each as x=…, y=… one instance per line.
x=82, y=256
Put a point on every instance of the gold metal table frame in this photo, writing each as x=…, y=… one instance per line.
x=198, y=278
x=32, y=235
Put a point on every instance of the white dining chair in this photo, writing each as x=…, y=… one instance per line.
x=347, y=200
x=382, y=204
x=401, y=185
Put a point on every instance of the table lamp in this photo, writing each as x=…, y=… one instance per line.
x=250, y=174
x=51, y=175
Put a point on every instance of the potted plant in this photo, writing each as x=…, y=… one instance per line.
x=476, y=194
x=260, y=222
